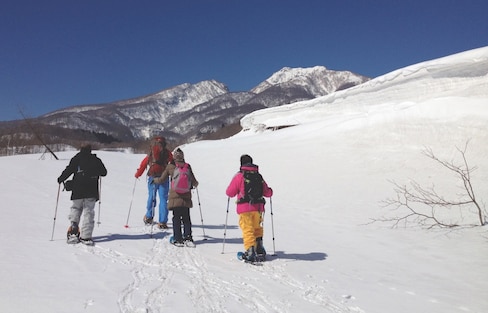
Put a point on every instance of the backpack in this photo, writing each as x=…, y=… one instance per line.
x=157, y=152
x=158, y=156
x=181, y=179
x=253, y=187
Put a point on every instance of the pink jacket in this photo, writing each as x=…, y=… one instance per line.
x=236, y=188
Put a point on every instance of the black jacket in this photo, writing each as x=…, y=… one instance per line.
x=87, y=168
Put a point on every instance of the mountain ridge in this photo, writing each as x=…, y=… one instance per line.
x=187, y=112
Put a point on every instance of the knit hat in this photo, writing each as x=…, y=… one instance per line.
x=178, y=155
x=246, y=159
x=86, y=148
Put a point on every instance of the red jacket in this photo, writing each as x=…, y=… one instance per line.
x=154, y=169
x=236, y=188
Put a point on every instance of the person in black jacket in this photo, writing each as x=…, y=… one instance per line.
x=86, y=169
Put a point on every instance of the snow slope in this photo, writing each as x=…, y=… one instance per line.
x=329, y=174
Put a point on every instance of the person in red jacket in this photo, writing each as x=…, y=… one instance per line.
x=156, y=160
x=250, y=210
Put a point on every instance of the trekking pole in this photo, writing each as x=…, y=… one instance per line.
x=225, y=227
x=99, y=199
x=156, y=187
x=272, y=226
x=130, y=205
x=201, y=216
x=56, y=211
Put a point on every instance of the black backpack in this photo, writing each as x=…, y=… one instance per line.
x=253, y=188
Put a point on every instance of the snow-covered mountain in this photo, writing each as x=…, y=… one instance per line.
x=317, y=81
x=446, y=76
x=141, y=116
x=189, y=112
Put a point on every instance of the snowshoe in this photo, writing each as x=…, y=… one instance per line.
x=260, y=257
x=162, y=226
x=73, y=229
x=189, y=242
x=147, y=220
x=242, y=256
x=72, y=239
x=73, y=234
x=250, y=256
x=87, y=241
x=177, y=243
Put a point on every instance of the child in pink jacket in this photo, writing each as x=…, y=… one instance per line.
x=250, y=210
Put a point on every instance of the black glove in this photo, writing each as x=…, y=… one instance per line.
x=60, y=180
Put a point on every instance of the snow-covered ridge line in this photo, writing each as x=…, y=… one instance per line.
x=318, y=79
x=444, y=77
x=182, y=97
x=190, y=112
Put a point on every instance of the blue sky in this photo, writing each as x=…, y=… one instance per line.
x=59, y=53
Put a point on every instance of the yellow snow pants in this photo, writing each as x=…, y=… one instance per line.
x=250, y=224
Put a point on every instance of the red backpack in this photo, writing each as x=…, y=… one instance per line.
x=158, y=156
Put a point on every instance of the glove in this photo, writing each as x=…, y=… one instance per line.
x=60, y=180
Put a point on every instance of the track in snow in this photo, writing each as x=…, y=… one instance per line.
x=167, y=277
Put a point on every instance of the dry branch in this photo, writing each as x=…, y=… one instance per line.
x=422, y=205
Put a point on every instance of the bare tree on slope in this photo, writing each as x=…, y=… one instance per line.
x=425, y=205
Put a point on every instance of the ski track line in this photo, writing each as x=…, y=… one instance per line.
x=315, y=294
x=152, y=276
x=203, y=292
x=140, y=269
x=149, y=273
x=141, y=295
x=208, y=292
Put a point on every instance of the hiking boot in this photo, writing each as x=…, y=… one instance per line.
x=162, y=226
x=188, y=238
x=250, y=254
x=259, y=246
x=147, y=220
x=73, y=229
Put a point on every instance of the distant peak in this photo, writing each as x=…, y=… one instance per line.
x=306, y=76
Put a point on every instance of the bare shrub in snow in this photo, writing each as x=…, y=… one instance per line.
x=426, y=207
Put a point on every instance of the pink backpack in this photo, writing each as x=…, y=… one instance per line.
x=181, y=179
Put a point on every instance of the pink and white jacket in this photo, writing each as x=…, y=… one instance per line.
x=236, y=188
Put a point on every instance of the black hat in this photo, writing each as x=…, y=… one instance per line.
x=86, y=148
x=246, y=159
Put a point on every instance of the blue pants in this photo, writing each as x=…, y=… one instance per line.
x=162, y=190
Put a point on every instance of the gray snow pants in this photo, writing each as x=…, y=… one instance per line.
x=87, y=207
